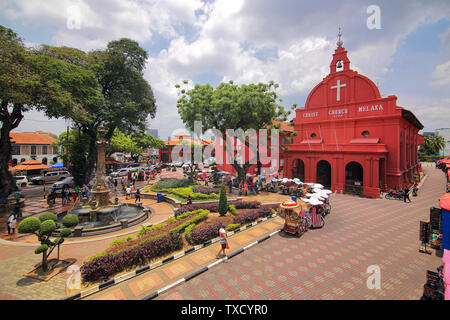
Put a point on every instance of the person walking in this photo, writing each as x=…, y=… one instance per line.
x=115, y=184
x=11, y=224
x=122, y=181
x=230, y=186
x=189, y=199
x=63, y=197
x=223, y=242
x=128, y=192
x=137, y=196
x=406, y=194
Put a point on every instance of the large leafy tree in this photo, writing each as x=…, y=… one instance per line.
x=127, y=98
x=229, y=106
x=32, y=79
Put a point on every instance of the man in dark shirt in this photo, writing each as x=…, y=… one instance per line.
x=406, y=194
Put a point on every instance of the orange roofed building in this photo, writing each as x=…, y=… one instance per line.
x=33, y=145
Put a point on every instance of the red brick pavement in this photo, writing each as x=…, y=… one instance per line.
x=331, y=263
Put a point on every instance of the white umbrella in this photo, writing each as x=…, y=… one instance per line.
x=315, y=201
x=296, y=181
x=317, y=190
x=327, y=191
x=318, y=185
x=323, y=195
x=309, y=194
x=310, y=184
x=285, y=180
x=317, y=196
x=305, y=199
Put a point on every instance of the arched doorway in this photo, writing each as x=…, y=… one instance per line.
x=354, y=174
x=298, y=169
x=324, y=173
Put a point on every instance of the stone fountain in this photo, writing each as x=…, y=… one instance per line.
x=100, y=211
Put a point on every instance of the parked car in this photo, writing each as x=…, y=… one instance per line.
x=120, y=172
x=50, y=177
x=209, y=162
x=65, y=183
x=21, y=181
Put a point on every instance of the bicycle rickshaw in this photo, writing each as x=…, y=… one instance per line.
x=294, y=220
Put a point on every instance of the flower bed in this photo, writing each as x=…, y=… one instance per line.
x=206, y=190
x=214, y=207
x=102, y=268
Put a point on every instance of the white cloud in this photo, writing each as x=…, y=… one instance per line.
x=441, y=74
x=231, y=36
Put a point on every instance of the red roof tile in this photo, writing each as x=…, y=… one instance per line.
x=30, y=138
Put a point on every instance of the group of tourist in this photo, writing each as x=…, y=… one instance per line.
x=404, y=193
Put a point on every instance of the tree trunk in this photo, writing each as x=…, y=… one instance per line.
x=9, y=122
x=44, y=261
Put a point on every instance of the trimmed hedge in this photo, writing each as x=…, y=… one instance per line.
x=206, y=190
x=214, y=207
x=198, y=218
x=104, y=267
x=201, y=234
x=146, y=229
x=70, y=220
x=169, y=184
x=48, y=216
x=233, y=226
x=187, y=232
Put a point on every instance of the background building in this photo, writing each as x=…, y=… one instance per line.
x=33, y=145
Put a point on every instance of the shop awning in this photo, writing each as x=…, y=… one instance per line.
x=444, y=202
x=30, y=165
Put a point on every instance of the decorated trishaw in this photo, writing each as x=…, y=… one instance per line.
x=294, y=220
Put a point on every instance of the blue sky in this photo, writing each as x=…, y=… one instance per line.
x=290, y=42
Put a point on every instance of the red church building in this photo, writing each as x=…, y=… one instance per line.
x=352, y=139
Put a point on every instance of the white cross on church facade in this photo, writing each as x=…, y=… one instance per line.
x=338, y=86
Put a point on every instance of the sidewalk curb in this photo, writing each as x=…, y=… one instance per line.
x=204, y=269
x=137, y=272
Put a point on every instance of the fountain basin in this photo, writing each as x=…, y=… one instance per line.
x=105, y=216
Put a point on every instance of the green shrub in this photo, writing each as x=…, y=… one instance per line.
x=198, y=218
x=171, y=220
x=118, y=241
x=169, y=184
x=29, y=225
x=223, y=201
x=47, y=227
x=70, y=220
x=98, y=255
x=159, y=236
x=187, y=233
x=145, y=229
x=66, y=232
x=233, y=226
x=233, y=210
x=48, y=216
x=41, y=249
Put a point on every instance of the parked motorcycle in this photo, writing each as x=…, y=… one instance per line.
x=390, y=195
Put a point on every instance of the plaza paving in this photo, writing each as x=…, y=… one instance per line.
x=328, y=263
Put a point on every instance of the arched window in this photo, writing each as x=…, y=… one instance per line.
x=365, y=133
x=313, y=135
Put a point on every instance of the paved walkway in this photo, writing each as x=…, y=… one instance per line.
x=331, y=263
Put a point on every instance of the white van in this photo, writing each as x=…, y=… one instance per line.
x=50, y=177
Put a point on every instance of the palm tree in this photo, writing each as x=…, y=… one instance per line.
x=432, y=144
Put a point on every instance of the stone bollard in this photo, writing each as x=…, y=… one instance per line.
x=124, y=223
x=77, y=231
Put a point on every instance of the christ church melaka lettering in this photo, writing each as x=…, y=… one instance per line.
x=310, y=114
x=338, y=112
x=370, y=108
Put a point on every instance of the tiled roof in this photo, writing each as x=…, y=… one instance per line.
x=30, y=138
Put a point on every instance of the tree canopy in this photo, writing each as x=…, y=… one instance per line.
x=229, y=106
